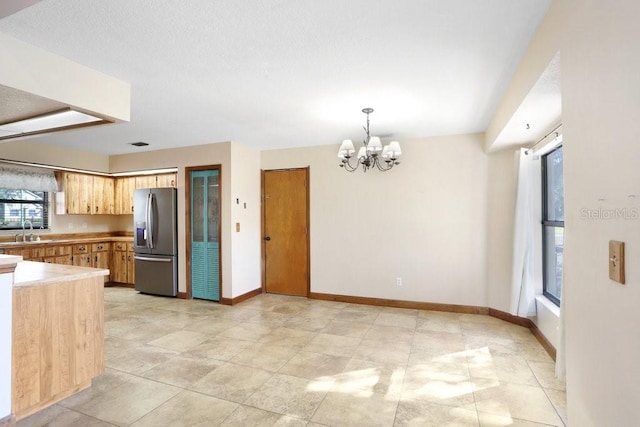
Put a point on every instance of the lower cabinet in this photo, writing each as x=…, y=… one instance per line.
x=117, y=257
x=123, y=266
x=82, y=255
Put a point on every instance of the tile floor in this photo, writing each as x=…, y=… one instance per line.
x=286, y=361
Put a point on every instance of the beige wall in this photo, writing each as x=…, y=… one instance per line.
x=501, y=210
x=47, y=154
x=245, y=244
x=601, y=107
x=598, y=41
x=424, y=221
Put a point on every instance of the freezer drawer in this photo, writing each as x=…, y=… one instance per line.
x=156, y=275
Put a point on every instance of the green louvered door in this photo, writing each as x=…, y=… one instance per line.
x=205, y=234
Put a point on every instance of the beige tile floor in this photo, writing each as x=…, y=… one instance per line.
x=286, y=361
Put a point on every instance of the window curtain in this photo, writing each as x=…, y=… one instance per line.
x=561, y=363
x=24, y=178
x=523, y=295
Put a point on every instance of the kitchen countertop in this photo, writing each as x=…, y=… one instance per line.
x=29, y=273
x=7, y=260
x=45, y=241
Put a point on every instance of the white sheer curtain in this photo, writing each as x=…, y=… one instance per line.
x=523, y=294
x=15, y=177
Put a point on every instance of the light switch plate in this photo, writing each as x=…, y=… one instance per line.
x=616, y=261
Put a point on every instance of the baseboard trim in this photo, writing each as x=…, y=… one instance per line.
x=467, y=309
x=508, y=317
x=182, y=295
x=240, y=298
x=451, y=308
x=544, y=342
x=8, y=421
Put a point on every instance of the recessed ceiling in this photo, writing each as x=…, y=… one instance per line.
x=275, y=74
x=18, y=105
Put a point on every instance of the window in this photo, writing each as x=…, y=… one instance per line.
x=17, y=206
x=552, y=224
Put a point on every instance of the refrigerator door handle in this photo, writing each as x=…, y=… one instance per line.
x=150, y=220
x=144, y=258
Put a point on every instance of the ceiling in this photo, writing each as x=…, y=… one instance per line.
x=286, y=73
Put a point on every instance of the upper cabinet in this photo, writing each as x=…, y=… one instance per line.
x=101, y=195
x=88, y=194
x=155, y=181
x=124, y=195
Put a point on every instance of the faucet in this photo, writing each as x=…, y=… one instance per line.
x=30, y=227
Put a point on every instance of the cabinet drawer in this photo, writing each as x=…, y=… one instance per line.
x=120, y=246
x=81, y=249
x=100, y=247
x=57, y=250
x=130, y=247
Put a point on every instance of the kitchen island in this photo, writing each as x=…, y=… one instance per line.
x=58, y=333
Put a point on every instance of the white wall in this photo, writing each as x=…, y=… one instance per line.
x=424, y=221
x=245, y=244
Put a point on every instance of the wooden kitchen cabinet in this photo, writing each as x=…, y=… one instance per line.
x=78, y=189
x=155, y=181
x=88, y=194
x=146, y=181
x=131, y=265
x=123, y=266
x=124, y=195
x=167, y=180
x=103, y=192
x=101, y=253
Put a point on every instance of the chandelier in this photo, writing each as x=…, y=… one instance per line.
x=371, y=155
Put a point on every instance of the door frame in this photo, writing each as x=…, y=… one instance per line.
x=262, y=226
x=187, y=231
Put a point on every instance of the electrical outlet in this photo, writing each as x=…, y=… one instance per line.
x=398, y=281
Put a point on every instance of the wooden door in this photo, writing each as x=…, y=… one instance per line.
x=286, y=231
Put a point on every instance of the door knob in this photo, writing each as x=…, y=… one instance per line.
x=267, y=238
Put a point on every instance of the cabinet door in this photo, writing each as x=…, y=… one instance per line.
x=167, y=180
x=64, y=260
x=131, y=266
x=78, y=190
x=146, y=181
x=101, y=260
x=103, y=194
x=124, y=195
x=82, y=260
x=119, y=267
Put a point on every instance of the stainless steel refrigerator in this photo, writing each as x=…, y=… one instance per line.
x=155, y=241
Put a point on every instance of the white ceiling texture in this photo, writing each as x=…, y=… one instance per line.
x=287, y=73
